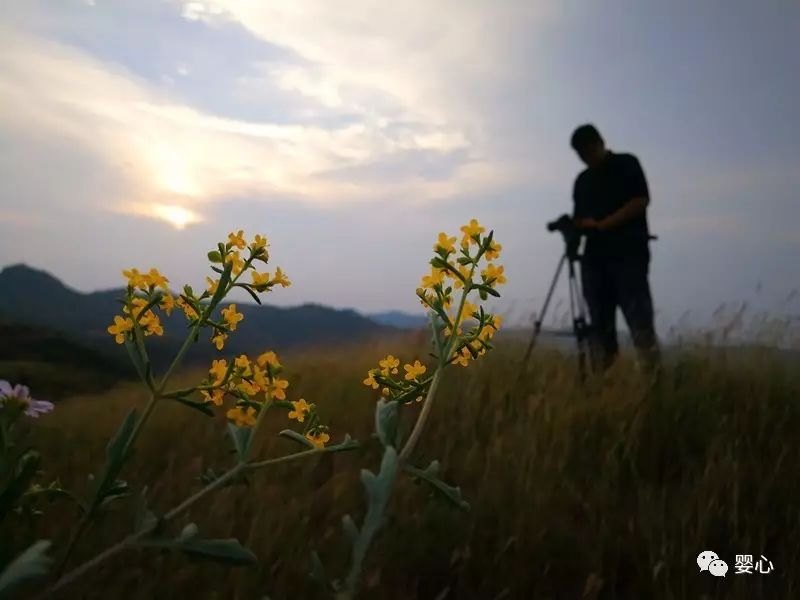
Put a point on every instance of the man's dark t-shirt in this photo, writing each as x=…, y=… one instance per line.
x=601, y=191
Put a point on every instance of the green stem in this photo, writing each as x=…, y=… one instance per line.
x=221, y=481
x=444, y=360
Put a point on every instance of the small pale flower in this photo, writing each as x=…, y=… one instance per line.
x=20, y=396
x=462, y=358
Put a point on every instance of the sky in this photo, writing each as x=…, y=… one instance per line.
x=350, y=133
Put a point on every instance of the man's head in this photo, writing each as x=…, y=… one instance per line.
x=589, y=145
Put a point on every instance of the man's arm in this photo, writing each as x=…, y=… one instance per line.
x=635, y=207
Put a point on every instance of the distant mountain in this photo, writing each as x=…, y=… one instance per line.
x=33, y=297
x=400, y=320
x=53, y=365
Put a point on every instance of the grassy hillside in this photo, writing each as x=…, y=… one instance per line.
x=603, y=491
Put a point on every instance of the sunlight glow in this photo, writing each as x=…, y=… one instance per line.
x=177, y=216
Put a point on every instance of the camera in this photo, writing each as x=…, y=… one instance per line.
x=571, y=234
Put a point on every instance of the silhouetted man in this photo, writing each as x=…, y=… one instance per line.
x=611, y=199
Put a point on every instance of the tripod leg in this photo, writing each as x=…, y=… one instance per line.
x=578, y=313
x=537, y=326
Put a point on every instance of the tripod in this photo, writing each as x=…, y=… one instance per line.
x=577, y=309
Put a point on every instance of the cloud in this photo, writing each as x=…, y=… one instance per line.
x=383, y=91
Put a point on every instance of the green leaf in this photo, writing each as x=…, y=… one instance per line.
x=117, y=490
x=299, y=438
x=249, y=290
x=487, y=289
x=26, y=468
x=214, y=256
x=203, y=407
x=117, y=452
x=430, y=476
x=227, y=551
x=241, y=437
x=224, y=279
x=32, y=563
x=386, y=422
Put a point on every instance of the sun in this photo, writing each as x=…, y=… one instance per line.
x=177, y=216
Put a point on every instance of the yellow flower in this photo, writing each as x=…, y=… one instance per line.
x=168, y=303
x=370, y=381
x=242, y=417
x=156, y=279
x=462, y=357
x=187, y=308
x=152, y=324
x=268, y=358
x=218, y=369
x=301, y=409
x=493, y=275
x=212, y=285
x=231, y=317
x=259, y=242
x=136, y=306
x=465, y=273
x=473, y=228
x=469, y=310
x=493, y=251
x=259, y=378
x=278, y=389
x=219, y=340
x=216, y=396
x=318, y=438
x=415, y=370
x=238, y=262
x=237, y=239
x=390, y=363
x=385, y=391
x=435, y=278
x=281, y=279
x=249, y=388
x=260, y=279
x=444, y=243
x=135, y=279
x=119, y=328
x=243, y=363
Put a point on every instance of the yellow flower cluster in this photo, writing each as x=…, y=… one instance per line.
x=407, y=389
x=145, y=291
x=254, y=385
x=466, y=328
